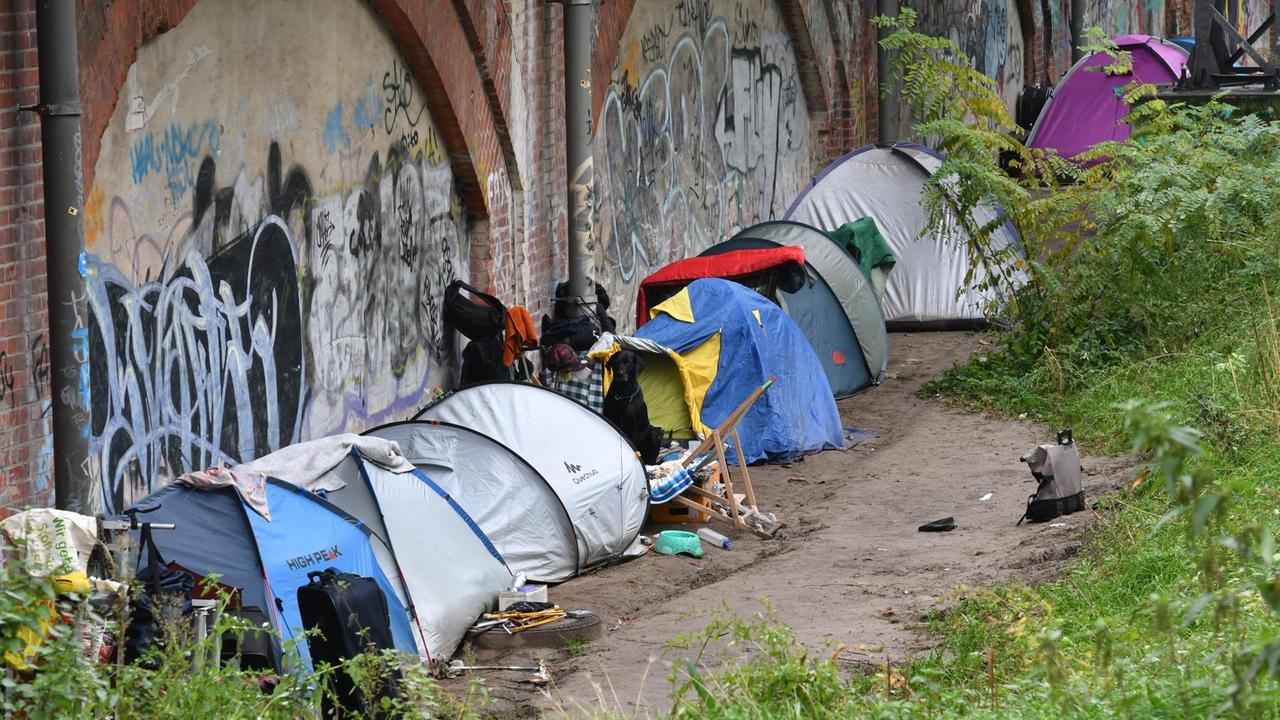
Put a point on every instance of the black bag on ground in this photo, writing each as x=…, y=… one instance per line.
x=476, y=317
x=350, y=614
x=163, y=603
x=1057, y=469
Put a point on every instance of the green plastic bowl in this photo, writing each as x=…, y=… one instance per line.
x=674, y=542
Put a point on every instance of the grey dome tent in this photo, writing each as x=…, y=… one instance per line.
x=510, y=500
x=837, y=309
x=591, y=467
x=927, y=287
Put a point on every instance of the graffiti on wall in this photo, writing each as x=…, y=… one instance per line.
x=377, y=261
x=268, y=270
x=704, y=130
x=989, y=32
x=1120, y=17
x=289, y=316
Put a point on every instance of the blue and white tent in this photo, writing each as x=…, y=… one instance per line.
x=438, y=570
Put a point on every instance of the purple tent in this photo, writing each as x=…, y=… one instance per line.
x=1086, y=109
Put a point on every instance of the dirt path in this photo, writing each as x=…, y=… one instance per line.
x=850, y=567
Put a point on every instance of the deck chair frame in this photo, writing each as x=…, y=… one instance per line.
x=738, y=509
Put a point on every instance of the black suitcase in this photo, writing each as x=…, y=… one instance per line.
x=350, y=614
x=255, y=649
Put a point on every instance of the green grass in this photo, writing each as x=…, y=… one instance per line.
x=576, y=645
x=1106, y=638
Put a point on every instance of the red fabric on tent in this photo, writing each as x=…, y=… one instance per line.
x=729, y=266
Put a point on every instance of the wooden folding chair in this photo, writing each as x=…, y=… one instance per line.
x=741, y=509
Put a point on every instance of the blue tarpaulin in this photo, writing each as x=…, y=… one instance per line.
x=756, y=339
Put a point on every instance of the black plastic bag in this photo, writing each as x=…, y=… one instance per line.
x=163, y=602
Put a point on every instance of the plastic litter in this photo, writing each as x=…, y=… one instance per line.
x=714, y=538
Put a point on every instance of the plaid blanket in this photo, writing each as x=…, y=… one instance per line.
x=585, y=386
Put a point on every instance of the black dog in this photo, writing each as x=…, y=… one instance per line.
x=624, y=406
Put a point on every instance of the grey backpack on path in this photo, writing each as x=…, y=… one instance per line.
x=1057, y=469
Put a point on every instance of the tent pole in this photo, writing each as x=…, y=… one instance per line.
x=579, y=16
x=889, y=111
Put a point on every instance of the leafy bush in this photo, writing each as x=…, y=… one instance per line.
x=179, y=687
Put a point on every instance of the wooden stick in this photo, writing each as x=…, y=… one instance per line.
x=728, y=480
x=742, y=466
x=991, y=676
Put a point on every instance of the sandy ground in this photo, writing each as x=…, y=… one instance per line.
x=849, y=568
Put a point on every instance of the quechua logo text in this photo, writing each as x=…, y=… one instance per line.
x=576, y=473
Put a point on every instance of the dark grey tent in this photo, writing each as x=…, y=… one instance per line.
x=836, y=309
x=511, y=502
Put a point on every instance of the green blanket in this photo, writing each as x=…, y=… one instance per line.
x=862, y=239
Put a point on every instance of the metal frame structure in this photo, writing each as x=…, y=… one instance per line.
x=1219, y=46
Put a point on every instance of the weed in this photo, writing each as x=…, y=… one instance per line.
x=576, y=645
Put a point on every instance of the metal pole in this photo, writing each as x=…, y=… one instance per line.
x=888, y=102
x=579, y=16
x=64, y=239
x=1077, y=30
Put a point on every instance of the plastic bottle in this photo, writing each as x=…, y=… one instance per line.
x=714, y=538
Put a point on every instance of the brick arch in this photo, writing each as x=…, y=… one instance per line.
x=430, y=35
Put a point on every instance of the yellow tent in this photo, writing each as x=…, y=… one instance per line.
x=674, y=385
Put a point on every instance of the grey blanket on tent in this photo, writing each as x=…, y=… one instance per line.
x=307, y=464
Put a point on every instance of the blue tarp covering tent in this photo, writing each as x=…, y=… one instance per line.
x=733, y=339
x=217, y=534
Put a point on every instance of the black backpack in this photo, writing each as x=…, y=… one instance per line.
x=482, y=362
x=164, y=602
x=476, y=317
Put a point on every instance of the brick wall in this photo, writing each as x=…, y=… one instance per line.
x=546, y=191
x=25, y=453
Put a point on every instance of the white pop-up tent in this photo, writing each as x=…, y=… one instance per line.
x=349, y=502
x=927, y=287
x=450, y=567
x=589, y=465
x=510, y=500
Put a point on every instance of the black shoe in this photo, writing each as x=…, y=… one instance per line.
x=943, y=525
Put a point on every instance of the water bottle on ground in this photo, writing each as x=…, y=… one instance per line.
x=711, y=536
